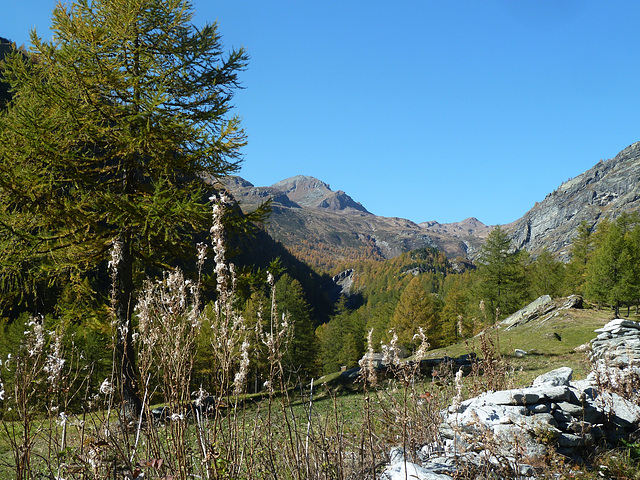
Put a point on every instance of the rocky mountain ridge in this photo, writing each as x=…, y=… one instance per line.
x=605, y=190
x=307, y=212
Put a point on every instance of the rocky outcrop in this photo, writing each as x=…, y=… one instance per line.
x=607, y=189
x=344, y=280
x=542, y=309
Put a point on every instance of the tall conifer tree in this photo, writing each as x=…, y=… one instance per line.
x=112, y=127
x=501, y=274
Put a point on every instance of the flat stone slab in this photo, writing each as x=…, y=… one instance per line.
x=528, y=395
x=559, y=376
x=617, y=323
x=486, y=414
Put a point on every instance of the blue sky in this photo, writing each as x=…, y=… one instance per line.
x=426, y=110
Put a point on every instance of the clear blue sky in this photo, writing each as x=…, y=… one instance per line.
x=426, y=110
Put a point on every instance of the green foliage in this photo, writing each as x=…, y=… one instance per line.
x=342, y=340
x=300, y=358
x=581, y=249
x=416, y=309
x=501, y=274
x=613, y=275
x=108, y=135
x=546, y=276
x=112, y=130
x=455, y=318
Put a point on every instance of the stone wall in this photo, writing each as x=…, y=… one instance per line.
x=510, y=428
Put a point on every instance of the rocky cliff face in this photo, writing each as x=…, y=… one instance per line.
x=606, y=190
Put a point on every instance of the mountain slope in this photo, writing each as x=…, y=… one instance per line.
x=608, y=189
x=316, y=222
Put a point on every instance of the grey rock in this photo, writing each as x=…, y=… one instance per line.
x=622, y=412
x=541, y=421
x=401, y=469
x=558, y=377
x=527, y=313
x=570, y=440
x=441, y=464
x=539, y=408
x=562, y=416
x=618, y=324
x=507, y=436
x=522, y=396
x=572, y=409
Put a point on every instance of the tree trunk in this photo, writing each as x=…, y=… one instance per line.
x=123, y=310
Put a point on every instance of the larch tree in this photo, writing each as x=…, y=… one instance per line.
x=501, y=274
x=113, y=126
x=581, y=250
x=416, y=309
x=613, y=274
x=300, y=358
x=546, y=275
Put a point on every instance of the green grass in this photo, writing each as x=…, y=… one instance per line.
x=338, y=409
x=549, y=344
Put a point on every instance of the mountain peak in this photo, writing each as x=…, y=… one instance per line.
x=304, y=190
x=300, y=181
x=295, y=192
x=308, y=191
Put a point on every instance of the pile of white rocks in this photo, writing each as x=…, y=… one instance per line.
x=618, y=344
x=509, y=428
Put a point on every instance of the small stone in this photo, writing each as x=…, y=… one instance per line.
x=573, y=410
x=539, y=408
x=570, y=440
x=562, y=416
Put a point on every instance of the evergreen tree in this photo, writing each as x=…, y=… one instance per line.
x=581, y=249
x=613, y=276
x=301, y=358
x=105, y=145
x=546, y=276
x=501, y=274
x=455, y=321
x=341, y=339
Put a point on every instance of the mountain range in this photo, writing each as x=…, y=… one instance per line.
x=310, y=218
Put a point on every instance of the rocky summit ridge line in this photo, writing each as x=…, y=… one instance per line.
x=307, y=211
